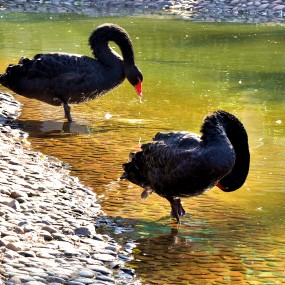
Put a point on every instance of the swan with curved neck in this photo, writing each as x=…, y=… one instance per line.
x=184, y=164
x=63, y=79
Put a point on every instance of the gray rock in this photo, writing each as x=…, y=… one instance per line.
x=17, y=246
x=46, y=235
x=59, y=236
x=84, y=280
x=100, y=268
x=55, y=279
x=27, y=253
x=74, y=283
x=35, y=283
x=17, y=194
x=21, y=278
x=105, y=278
x=49, y=229
x=86, y=273
x=104, y=257
x=86, y=231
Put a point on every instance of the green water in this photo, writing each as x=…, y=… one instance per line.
x=190, y=69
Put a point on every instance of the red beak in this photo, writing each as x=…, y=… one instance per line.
x=220, y=186
x=139, y=88
x=225, y=189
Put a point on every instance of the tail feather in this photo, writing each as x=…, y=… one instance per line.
x=3, y=79
x=133, y=170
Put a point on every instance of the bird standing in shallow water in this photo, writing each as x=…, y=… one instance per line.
x=63, y=79
x=184, y=164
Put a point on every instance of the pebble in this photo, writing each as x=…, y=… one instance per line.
x=198, y=10
x=44, y=238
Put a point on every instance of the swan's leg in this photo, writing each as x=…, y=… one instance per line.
x=67, y=112
x=177, y=210
x=65, y=107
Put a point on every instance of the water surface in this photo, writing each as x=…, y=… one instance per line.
x=190, y=70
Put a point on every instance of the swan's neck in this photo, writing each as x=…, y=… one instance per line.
x=100, y=38
x=222, y=122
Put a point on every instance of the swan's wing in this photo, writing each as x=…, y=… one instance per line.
x=175, y=164
x=52, y=65
x=167, y=165
x=166, y=147
x=48, y=66
x=158, y=159
x=180, y=140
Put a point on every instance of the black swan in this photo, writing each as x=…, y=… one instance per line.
x=62, y=79
x=184, y=164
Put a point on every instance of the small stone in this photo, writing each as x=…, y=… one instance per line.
x=21, y=200
x=36, y=282
x=49, y=229
x=59, y=236
x=10, y=238
x=17, y=246
x=27, y=253
x=86, y=231
x=10, y=254
x=55, y=279
x=129, y=271
x=17, y=194
x=46, y=235
x=21, y=278
x=105, y=278
x=3, y=242
x=104, y=257
x=125, y=258
x=19, y=230
x=86, y=273
x=27, y=227
x=14, y=280
x=100, y=268
x=14, y=204
x=84, y=280
x=74, y=283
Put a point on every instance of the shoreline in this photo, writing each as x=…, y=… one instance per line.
x=240, y=11
x=48, y=219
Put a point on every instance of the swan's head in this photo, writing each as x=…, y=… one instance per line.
x=135, y=77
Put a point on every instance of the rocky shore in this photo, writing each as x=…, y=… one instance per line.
x=48, y=219
x=252, y=11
